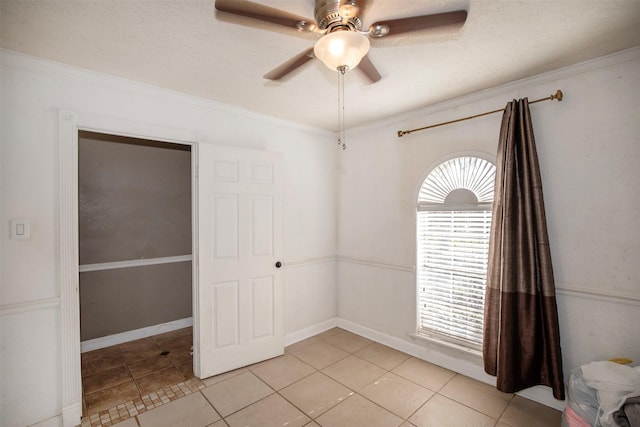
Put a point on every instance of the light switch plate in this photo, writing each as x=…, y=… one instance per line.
x=20, y=229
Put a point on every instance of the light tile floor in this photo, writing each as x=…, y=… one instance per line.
x=338, y=378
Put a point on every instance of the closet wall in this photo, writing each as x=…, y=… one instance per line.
x=134, y=210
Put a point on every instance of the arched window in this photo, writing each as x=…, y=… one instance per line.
x=454, y=222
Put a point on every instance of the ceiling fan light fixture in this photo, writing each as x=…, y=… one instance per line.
x=341, y=49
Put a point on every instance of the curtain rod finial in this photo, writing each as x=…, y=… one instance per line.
x=558, y=95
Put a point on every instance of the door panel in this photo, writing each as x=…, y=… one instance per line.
x=263, y=307
x=225, y=225
x=225, y=305
x=240, y=313
x=262, y=225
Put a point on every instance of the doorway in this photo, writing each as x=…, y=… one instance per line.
x=135, y=256
x=258, y=296
x=70, y=123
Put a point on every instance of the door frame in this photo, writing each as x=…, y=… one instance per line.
x=70, y=123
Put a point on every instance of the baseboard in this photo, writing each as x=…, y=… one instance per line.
x=71, y=417
x=136, y=334
x=305, y=333
x=425, y=351
x=72, y=414
x=50, y=422
x=544, y=396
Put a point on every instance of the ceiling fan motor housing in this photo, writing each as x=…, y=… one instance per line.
x=329, y=19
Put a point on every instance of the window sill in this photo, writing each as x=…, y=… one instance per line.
x=477, y=354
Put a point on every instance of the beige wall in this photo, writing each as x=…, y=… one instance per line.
x=134, y=203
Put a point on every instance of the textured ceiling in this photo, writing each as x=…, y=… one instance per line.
x=187, y=47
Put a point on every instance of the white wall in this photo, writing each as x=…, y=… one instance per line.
x=589, y=150
x=33, y=92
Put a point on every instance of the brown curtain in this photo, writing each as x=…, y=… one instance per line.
x=521, y=335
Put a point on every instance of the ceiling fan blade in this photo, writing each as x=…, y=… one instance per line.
x=294, y=63
x=367, y=68
x=394, y=27
x=265, y=13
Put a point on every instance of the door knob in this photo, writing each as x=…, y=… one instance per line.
x=278, y=264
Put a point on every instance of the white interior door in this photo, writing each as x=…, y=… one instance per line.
x=239, y=319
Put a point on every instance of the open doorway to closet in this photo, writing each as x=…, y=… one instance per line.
x=135, y=264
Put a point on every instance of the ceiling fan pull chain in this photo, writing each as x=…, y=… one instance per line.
x=341, y=131
x=339, y=115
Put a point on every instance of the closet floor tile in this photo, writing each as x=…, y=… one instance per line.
x=106, y=379
x=110, y=397
x=159, y=379
x=148, y=366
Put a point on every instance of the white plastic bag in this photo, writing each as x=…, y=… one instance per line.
x=582, y=400
x=615, y=383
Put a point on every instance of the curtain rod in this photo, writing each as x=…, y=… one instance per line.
x=558, y=95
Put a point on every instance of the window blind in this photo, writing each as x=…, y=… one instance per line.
x=452, y=261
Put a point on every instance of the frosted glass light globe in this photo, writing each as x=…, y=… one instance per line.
x=341, y=49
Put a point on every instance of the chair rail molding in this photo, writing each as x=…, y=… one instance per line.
x=374, y=263
x=23, y=306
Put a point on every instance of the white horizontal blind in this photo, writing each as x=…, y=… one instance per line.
x=453, y=250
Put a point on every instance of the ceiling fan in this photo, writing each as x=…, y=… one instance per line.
x=343, y=44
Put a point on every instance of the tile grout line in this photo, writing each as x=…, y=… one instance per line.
x=505, y=410
x=212, y=407
x=353, y=392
